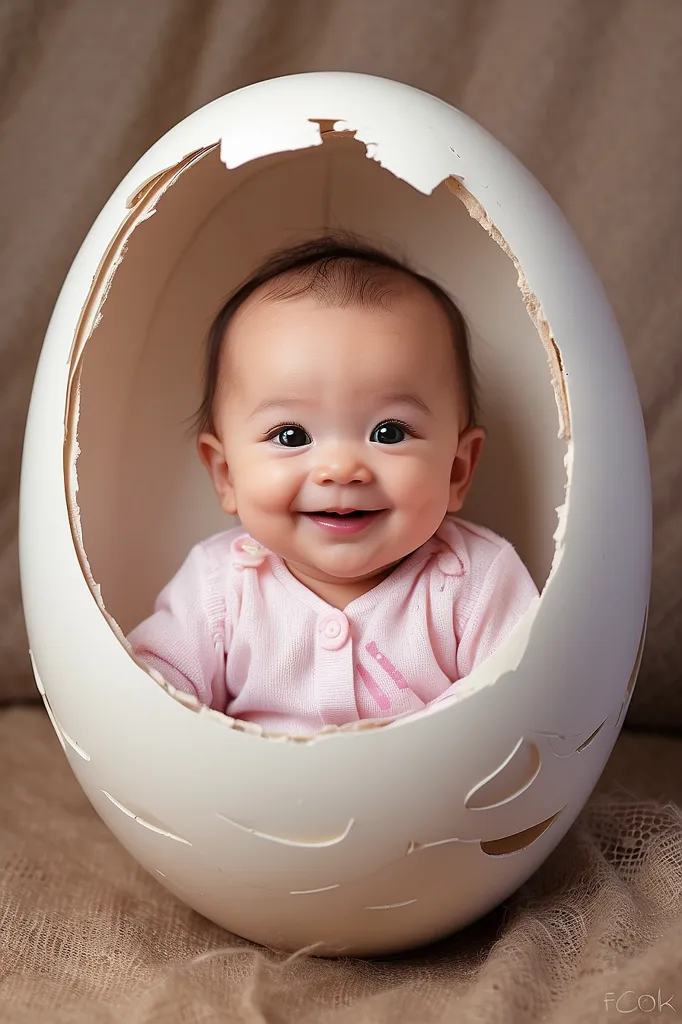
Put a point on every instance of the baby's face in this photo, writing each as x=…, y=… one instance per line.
x=324, y=409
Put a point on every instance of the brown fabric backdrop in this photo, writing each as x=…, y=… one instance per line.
x=588, y=94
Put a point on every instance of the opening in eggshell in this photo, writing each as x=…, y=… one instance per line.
x=138, y=495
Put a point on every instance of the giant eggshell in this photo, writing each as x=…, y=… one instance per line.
x=365, y=840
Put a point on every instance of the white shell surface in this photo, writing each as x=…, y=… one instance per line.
x=363, y=841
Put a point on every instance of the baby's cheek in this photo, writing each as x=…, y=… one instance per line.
x=274, y=484
x=419, y=482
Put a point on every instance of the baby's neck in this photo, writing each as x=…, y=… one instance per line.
x=340, y=595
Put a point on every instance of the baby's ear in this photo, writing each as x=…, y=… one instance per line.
x=466, y=459
x=212, y=454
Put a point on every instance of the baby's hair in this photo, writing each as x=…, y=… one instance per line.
x=341, y=270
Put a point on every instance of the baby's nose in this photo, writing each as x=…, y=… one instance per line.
x=342, y=467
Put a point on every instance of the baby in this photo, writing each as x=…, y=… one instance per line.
x=339, y=424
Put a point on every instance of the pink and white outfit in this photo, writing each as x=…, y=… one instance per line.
x=238, y=630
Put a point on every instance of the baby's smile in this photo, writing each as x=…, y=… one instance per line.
x=345, y=523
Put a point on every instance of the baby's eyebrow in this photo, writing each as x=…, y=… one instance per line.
x=278, y=403
x=385, y=399
x=407, y=399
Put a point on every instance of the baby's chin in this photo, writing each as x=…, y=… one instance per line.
x=367, y=555
x=348, y=568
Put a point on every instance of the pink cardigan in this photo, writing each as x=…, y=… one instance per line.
x=238, y=630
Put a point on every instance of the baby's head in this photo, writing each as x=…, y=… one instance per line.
x=338, y=379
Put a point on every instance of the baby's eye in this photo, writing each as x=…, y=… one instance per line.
x=390, y=432
x=291, y=436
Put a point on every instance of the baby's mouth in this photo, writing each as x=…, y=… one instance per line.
x=356, y=513
x=344, y=523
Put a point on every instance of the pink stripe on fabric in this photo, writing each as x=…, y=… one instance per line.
x=374, y=688
x=397, y=677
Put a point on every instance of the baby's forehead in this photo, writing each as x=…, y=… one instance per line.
x=303, y=345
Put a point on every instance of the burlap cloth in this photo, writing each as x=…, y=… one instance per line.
x=86, y=936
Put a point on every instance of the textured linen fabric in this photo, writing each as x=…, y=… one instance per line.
x=235, y=628
x=88, y=937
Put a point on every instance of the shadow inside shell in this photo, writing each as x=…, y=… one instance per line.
x=62, y=736
x=592, y=736
x=519, y=840
x=509, y=780
x=145, y=820
x=638, y=658
x=307, y=843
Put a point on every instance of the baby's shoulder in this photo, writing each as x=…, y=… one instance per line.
x=470, y=550
x=213, y=555
x=219, y=545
